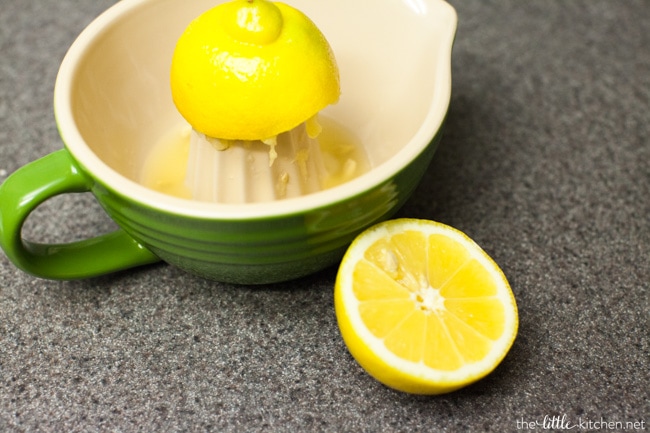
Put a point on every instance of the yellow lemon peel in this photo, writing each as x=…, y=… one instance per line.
x=252, y=69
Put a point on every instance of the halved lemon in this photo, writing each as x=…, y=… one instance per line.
x=252, y=69
x=422, y=308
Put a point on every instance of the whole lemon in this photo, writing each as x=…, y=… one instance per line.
x=251, y=69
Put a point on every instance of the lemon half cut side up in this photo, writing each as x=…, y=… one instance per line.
x=422, y=308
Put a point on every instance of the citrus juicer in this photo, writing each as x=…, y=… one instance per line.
x=247, y=171
x=113, y=105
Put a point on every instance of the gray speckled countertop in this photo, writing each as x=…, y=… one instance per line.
x=545, y=163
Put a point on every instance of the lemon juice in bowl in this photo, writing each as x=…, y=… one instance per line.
x=250, y=77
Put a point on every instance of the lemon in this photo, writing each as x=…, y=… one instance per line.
x=251, y=69
x=423, y=308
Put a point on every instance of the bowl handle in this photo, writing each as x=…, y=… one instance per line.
x=30, y=186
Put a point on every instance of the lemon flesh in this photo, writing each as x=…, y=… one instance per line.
x=252, y=69
x=422, y=308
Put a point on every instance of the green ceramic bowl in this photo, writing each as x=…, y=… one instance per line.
x=112, y=102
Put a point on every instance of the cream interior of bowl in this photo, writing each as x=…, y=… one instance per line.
x=112, y=98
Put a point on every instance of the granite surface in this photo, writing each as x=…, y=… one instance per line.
x=545, y=162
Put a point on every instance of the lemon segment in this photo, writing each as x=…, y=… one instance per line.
x=422, y=307
x=252, y=69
